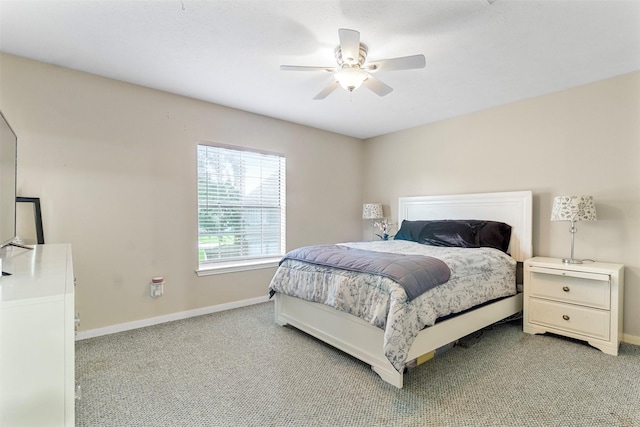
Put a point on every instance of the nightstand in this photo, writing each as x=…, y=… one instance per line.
x=581, y=301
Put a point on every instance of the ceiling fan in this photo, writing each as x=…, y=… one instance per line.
x=352, y=71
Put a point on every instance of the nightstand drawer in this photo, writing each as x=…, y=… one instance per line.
x=585, y=289
x=572, y=318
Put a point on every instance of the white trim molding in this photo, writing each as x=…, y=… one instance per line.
x=631, y=339
x=92, y=333
x=236, y=266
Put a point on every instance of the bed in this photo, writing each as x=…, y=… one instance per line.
x=370, y=342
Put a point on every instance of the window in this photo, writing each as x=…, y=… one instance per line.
x=241, y=207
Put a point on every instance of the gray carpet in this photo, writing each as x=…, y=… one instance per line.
x=238, y=368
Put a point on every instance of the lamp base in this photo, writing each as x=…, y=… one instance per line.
x=571, y=261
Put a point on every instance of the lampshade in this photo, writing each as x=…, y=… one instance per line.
x=350, y=78
x=573, y=208
x=372, y=211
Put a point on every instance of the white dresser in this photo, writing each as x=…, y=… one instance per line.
x=37, y=365
x=582, y=301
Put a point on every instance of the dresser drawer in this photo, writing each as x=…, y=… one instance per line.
x=585, y=321
x=587, y=289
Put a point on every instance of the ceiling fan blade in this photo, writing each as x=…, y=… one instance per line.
x=402, y=63
x=305, y=68
x=327, y=90
x=349, y=45
x=377, y=86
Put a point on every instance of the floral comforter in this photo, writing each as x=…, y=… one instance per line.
x=478, y=275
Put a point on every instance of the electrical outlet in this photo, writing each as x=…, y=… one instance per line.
x=156, y=290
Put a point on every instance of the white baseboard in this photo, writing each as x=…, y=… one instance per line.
x=630, y=339
x=167, y=318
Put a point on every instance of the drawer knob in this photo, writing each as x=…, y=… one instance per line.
x=565, y=288
x=565, y=317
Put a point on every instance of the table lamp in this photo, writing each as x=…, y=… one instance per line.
x=573, y=208
x=372, y=211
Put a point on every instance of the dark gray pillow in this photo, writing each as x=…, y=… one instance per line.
x=450, y=233
x=457, y=233
x=494, y=234
x=410, y=230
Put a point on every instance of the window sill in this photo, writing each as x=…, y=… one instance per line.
x=236, y=266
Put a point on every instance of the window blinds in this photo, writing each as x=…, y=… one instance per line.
x=241, y=204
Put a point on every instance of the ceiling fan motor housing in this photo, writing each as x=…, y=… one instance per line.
x=362, y=56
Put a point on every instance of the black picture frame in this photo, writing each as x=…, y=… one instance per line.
x=37, y=213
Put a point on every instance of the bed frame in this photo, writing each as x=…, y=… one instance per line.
x=365, y=342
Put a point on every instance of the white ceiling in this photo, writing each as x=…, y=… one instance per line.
x=479, y=53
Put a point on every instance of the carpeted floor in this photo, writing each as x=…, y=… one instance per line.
x=238, y=368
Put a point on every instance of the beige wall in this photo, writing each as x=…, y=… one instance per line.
x=115, y=167
x=585, y=140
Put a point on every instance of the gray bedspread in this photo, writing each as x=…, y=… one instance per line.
x=415, y=273
x=477, y=275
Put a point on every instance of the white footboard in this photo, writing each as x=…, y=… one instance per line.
x=343, y=331
x=365, y=342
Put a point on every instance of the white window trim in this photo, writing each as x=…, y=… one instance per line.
x=236, y=266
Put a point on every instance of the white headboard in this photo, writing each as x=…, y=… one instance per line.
x=513, y=208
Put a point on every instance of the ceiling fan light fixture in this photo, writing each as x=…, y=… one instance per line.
x=351, y=78
x=352, y=70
